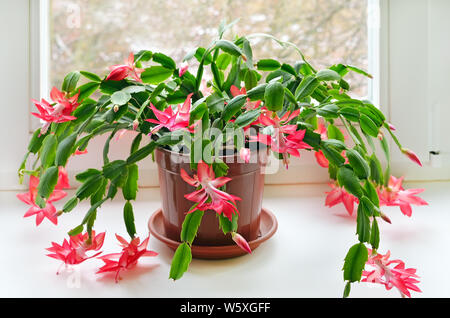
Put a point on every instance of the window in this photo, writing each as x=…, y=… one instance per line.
x=93, y=34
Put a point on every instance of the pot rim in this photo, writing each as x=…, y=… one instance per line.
x=159, y=148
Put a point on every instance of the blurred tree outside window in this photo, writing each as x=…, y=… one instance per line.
x=93, y=34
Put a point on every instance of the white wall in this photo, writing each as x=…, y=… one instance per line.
x=14, y=88
x=416, y=70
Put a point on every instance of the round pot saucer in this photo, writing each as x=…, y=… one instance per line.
x=268, y=227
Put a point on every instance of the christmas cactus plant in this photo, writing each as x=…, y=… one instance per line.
x=288, y=108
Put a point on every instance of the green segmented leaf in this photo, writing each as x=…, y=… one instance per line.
x=64, y=150
x=359, y=71
x=335, y=133
x=327, y=75
x=306, y=87
x=362, y=225
x=274, y=96
x=368, y=126
x=268, y=65
x=70, y=81
x=112, y=169
x=164, y=60
x=229, y=47
x=358, y=163
x=257, y=93
x=83, y=176
x=367, y=206
x=328, y=111
x=77, y=230
x=136, y=142
x=91, y=76
x=141, y=153
x=130, y=188
x=89, y=187
x=128, y=217
x=48, y=152
x=375, y=234
x=86, y=90
x=247, y=118
x=216, y=75
x=350, y=113
x=190, y=226
x=371, y=192
x=226, y=225
x=36, y=141
x=156, y=74
x=288, y=69
x=180, y=261
x=347, y=289
x=347, y=178
x=48, y=182
x=355, y=260
x=120, y=98
x=333, y=156
x=223, y=60
x=70, y=205
x=233, y=107
x=250, y=79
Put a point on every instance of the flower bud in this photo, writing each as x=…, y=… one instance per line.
x=391, y=127
x=183, y=68
x=385, y=217
x=135, y=124
x=411, y=155
x=241, y=242
x=116, y=108
x=380, y=136
x=245, y=153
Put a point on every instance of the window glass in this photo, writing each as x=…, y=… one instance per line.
x=93, y=34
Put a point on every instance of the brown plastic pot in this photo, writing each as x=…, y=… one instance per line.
x=247, y=183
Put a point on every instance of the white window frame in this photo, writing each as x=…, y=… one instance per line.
x=407, y=34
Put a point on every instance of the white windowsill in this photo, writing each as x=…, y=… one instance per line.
x=303, y=259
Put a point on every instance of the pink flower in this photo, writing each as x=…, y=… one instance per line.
x=120, y=134
x=135, y=124
x=128, y=258
x=73, y=252
x=321, y=159
x=404, y=279
x=60, y=112
x=395, y=195
x=241, y=242
x=63, y=179
x=79, y=152
x=322, y=130
x=220, y=201
x=411, y=155
x=170, y=119
x=285, y=138
x=183, y=68
x=122, y=71
x=49, y=211
x=245, y=153
x=249, y=105
x=339, y=195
